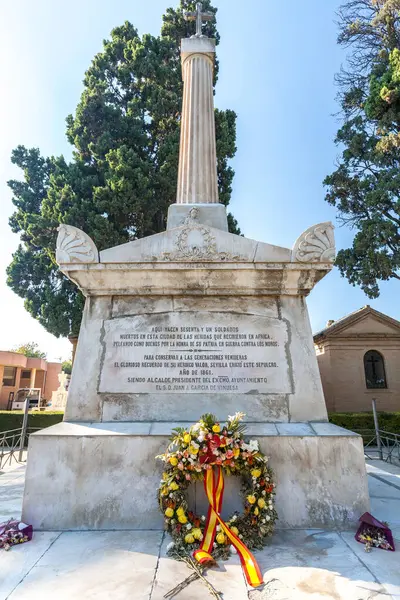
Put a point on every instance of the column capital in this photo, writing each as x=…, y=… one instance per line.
x=197, y=46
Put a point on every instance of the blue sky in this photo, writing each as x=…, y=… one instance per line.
x=277, y=63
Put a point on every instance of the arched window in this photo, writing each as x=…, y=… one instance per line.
x=374, y=368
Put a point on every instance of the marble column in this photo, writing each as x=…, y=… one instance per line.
x=197, y=178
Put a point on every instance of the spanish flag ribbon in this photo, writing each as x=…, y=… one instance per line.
x=214, y=487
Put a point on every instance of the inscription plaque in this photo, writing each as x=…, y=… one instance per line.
x=195, y=352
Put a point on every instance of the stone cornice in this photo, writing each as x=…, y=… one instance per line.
x=210, y=279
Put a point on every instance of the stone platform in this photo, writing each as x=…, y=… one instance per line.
x=297, y=565
x=104, y=476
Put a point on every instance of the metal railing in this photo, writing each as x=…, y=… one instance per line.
x=380, y=444
x=13, y=444
x=14, y=441
x=10, y=446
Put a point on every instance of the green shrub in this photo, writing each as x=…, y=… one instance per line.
x=355, y=421
x=363, y=423
x=13, y=419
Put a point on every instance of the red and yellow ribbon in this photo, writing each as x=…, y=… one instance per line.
x=214, y=487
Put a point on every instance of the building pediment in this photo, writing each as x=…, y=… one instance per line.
x=364, y=323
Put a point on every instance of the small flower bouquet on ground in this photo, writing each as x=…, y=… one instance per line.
x=14, y=532
x=374, y=534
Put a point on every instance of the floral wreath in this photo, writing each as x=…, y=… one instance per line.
x=203, y=453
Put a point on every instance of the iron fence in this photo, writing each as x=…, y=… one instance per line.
x=13, y=443
x=381, y=444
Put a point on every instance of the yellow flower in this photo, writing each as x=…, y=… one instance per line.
x=256, y=473
x=235, y=530
x=216, y=428
x=251, y=499
x=187, y=438
x=169, y=512
x=221, y=539
x=197, y=533
x=174, y=461
x=236, y=452
x=164, y=476
x=174, y=486
x=189, y=539
x=182, y=519
x=164, y=491
x=261, y=502
x=256, y=511
x=180, y=511
x=193, y=450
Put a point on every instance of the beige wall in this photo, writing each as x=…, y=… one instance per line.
x=52, y=384
x=341, y=363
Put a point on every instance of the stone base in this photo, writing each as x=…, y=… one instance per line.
x=212, y=215
x=104, y=475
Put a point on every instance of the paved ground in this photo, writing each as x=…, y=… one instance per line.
x=298, y=565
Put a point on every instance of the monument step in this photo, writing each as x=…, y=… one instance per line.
x=105, y=476
x=164, y=428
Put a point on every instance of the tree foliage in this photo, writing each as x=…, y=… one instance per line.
x=122, y=178
x=365, y=187
x=66, y=367
x=31, y=350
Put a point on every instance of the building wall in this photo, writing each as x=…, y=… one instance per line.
x=341, y=363
x=46, y=376
x=52, y=384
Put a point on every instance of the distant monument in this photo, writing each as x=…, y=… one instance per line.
x=184, y=322
x=59, y=396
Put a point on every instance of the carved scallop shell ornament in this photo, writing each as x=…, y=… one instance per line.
x=316, y=244
x=75, y=246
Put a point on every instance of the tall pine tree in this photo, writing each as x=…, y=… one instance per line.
x=122, y=179
x=365, y=187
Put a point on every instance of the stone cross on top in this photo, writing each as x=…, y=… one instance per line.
x=199, y=16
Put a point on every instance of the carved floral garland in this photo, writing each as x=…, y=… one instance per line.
x=192, y=453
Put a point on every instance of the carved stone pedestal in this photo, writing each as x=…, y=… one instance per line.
x=189, y=321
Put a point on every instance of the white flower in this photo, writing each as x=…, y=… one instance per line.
x=203, y=518
x=170, y=546
x=214, y=545
x=188, y=526
x=171, y=495
x=240, y=535
x=195, y=445
x=233, y=550
x=234, y=518
x=263, y=492
x=238, y=416
x=218, y=527
x=254, y=445
x=268, y=518
x=263, y=520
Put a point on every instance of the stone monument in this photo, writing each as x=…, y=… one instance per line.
x=59, y=396
x=184, y=322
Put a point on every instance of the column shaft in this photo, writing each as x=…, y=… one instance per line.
x=197, y=178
